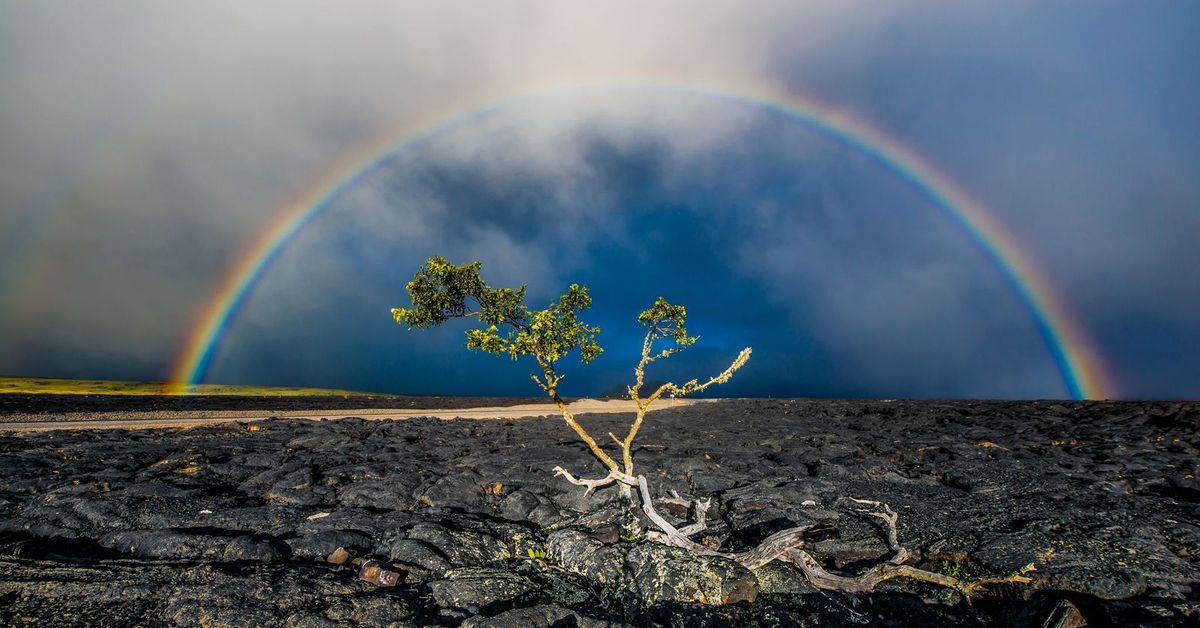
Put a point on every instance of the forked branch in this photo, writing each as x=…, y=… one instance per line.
x=664, y=321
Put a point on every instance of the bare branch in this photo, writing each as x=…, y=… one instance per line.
x=694, y=386
x=789, y=545
x=673, y=537
x=700, y=510
x=775, y=546
x=639, y=372
x=892, y=568
x=591, y=485
x=664, y=354
x=613, y=476
x=868, y=580
x=889, y=516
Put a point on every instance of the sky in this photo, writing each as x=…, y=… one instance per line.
x=145, y=149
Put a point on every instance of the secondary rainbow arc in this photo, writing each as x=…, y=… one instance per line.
x=1080, y=365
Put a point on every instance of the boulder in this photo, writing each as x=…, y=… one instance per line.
x=669, y=574
x=585, y=556
x=463, y=547
x=473, y=589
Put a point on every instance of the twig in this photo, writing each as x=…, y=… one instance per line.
x=590, y=484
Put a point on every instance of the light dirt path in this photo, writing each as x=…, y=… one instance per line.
x=160, y=419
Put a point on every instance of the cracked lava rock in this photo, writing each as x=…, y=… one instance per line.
x=462, y=522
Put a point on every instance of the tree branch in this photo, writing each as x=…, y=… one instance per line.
x=694, y=387
x=665, y=353
x=591, y=485
x=789, y=545
x=552, y=381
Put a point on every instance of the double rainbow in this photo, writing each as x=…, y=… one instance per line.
x=1077, y=360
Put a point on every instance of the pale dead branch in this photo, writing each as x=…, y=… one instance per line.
x=790, y=545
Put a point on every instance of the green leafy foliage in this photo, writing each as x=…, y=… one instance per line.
x=665, y=320
x=441, y=291
x=955, y=569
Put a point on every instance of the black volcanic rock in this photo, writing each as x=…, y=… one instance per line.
x=188, y=544
x=668, y=574
x=475, y=589
x=228, y=526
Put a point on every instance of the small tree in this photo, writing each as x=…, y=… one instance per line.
x=663, y=321
x=441, y=291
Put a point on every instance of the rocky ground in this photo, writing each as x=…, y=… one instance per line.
x=417, y=522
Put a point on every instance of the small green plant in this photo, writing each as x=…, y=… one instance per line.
x=955, y=569
x=536, y=554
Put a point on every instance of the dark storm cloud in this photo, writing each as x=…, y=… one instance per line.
x=1072, y=123
x=801, y=268
x=142, y=147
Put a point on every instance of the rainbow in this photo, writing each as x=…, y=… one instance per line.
x=1079, y=363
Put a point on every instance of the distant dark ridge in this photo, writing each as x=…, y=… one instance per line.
x=20, y=403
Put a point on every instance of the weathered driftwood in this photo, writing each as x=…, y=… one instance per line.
x=789, y=545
